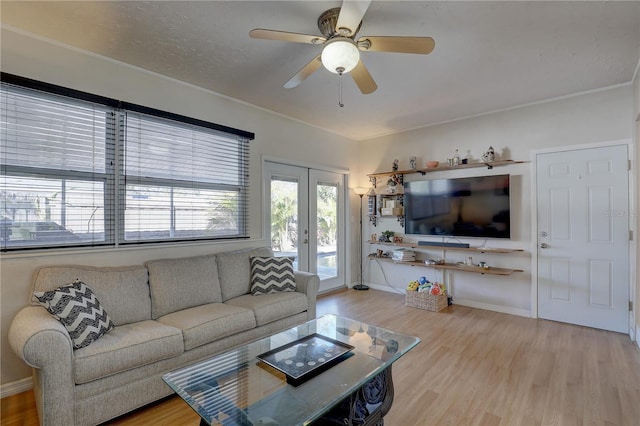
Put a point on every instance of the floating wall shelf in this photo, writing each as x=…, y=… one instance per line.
x=454, y=266
x=490, y=165
x=451, y=266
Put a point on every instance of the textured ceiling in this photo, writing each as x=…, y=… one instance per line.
x=488, y=56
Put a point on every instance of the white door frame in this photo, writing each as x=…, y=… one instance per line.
x=534, y=220
x=346, y=211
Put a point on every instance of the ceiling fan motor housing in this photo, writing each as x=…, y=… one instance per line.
x=327, y=22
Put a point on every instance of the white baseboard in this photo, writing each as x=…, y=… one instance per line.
x=16, y=387
x=386, y=288
x=638, y=335
x=490, y=307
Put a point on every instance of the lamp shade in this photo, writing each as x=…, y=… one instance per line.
x=340, y=55
x=360, y=191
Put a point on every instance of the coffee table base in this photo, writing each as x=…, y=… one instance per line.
x=367, y=406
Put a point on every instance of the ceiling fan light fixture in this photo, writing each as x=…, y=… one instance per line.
x=340, y=55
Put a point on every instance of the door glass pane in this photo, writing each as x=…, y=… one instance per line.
x=327, y=226
x=284, y=218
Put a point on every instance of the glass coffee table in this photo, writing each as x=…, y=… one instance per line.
x=331, y=370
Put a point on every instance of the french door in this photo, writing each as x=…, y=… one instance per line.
x=304, y=219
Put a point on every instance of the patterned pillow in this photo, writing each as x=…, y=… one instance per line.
x=271, y=275
x=77, y=308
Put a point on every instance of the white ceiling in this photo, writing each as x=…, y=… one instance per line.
x=489, y=55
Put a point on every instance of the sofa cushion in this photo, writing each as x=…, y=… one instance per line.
x=178, y=284
x=272, y=307
x=234, y=271
x=78, y=309
x=271, y=275
x=207, y=323
x=125, y=348
x=122, y=291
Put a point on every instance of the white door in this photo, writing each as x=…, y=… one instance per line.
x=583, y=237
x=286, y=212
x=304, y=211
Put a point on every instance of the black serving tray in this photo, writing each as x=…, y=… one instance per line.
x=307, y=357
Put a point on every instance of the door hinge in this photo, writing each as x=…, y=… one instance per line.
x=629, y=164
x=630, y=306
x=630, y=235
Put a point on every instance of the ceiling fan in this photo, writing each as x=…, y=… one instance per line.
x=341, y=51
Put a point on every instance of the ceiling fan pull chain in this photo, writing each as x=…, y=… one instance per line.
x=340, y=94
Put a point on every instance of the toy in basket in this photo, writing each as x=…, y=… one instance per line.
x=423, y=294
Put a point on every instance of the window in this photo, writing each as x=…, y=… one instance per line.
x=181, y=181
x=78, y=170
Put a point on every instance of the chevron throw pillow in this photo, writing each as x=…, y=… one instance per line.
x=78, y=309
x=271, y=275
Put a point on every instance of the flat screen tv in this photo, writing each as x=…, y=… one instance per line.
x=460, y=207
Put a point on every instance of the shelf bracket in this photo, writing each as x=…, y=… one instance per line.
x=489, y=166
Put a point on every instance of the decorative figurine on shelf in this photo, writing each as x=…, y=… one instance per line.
x=374, y=237
x=396, y=163
x=489, y=155
x=456, y=158
x=413, y=163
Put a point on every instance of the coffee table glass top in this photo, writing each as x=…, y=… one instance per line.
x=236, y=388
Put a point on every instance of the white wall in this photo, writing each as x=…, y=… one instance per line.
x=590, y=118
x=276, y=137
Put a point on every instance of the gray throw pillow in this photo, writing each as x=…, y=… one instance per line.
x=271, y=275
x=78, y=309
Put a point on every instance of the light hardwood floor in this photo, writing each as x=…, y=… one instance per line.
x=473, y=367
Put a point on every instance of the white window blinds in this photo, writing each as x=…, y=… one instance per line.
x=54, y=182
x=79, y=172
x=182, y=181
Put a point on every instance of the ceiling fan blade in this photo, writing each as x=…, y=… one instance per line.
x=351, y=14
x=286, y=36
x=305, y=72
x=421, y=45
x=363, y=79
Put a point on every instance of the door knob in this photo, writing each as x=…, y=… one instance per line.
x=544, y=245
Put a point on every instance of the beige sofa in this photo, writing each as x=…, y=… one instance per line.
x=167, y=314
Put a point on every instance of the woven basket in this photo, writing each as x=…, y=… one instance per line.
x=426, y=301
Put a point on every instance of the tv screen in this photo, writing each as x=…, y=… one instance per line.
x=461, y=207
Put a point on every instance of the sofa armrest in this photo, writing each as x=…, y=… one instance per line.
x=308, y=284
x=44, y=344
